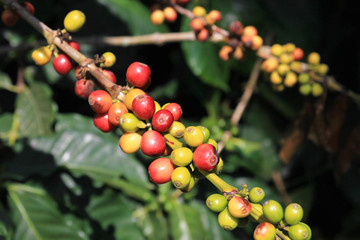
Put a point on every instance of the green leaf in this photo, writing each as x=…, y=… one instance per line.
x=153, y=224
x=5, y=122
x=111, y=209
x=36, y=110
x=193, y=220
x=135, y=14
x=37, y=216
x=5, y=82
x=90, y=153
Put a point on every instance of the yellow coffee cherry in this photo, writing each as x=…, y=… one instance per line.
x=270, y=64
x=322, y=69
x=214, y=143
x=275, y=78
x=157, y=17
x=257, y=42
x=199, y=11
x=289, y=47
x=74, y=21
x=276, y=50
x=177, y=129
x=278, y=87
x=193, y=136
x=317, y=89
x=290, y=79
x=283, y=69
x=313, y=58
x=42, y=55
x=286, y=58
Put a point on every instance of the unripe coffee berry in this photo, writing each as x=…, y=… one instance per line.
x=250, y=31
x=199, y=11
x=131, y=95
x=216, y=202
x=317, y=89
x=74, y=21
x=181, y=177
x=256, y=194
x=138, y=75
x=100, y=101
x=298, y=232
x=177, y=129
x=273, y=211
x=170, y=14
x=227, y=221
x=193, y=136
x=157, y=17
x=293, y=213
x=42, y=55
x=129, y=122
x=109, y=59
x=181, y=156
x=270, y=64
x=313, y=58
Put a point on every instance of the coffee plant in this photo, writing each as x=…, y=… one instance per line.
x=177, y=119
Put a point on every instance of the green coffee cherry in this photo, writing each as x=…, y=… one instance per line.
x=256, y=195
x=181, y=177
x=273, y=211
x=206, y=132
x=298, y=232
x=216, y=202
x=305, y=89
x=322, y=69
x=293, y=213
x=129, y=122
x=304, y=78
x=226, y=221
x=317, y=89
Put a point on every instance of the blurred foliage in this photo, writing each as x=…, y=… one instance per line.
x=61, y=178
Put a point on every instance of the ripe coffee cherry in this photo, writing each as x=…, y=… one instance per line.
x=227, y=221
x=202, y=35
x=143, y=107
x=170, y=14
x=297, y=54
x=138, y=75
x=216, y=202
x=115, y=112
x=250, y=31
x=205, y=157
x=175, y=109
x=160, y=170
x=299, y=232
x=177, y=129
x=273, y=211
x=131, y=95
x=152, y=143
x=74, y=45
x=197, y=24
x=181, y=156
x=101, y=121
x=157, y=17
x=225, y=52
x=42, y=55
x=129, y=122
x=265, y=231
x=29, y=7
x=83, y=88
x=213, y=16
x=257, y=42
x=9, y=17
x=109, y=59
x=110, y=75
x=293, y=213
x=100, y=101
x=193, y=136
x=256, y=194
x=162, y=120
x=74, y=21
x=130, y=142
x=239, y=207
x=62, y=64
x=181, y=177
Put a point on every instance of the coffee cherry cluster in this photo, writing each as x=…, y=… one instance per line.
x=10, y=17
x=235, y=209
x=285, y=69
x=202, y=22
x=160, y=13
x=240, y=39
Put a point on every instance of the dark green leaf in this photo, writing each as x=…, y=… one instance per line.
x=5, y=122
x=135, y=14
x=35, y=110
x=111, y=209
x=37, y=217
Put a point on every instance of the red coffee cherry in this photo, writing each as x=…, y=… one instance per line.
x=197, y=24
x=203, y=35
x=101, y=121
x=83, y=88
x=236, y=27
x=138, y=75
x=62, y=64
x=160, y=170
x=143, y=106
x=74, y=45
x=170, y=14
x=152, y=143
x=110, y=75
x=264, y=231
x=115, y=112
x=100, y=101
x=239, y=207
x=175, y=109
x=29, y=7
x=297, y=54
x=205, y=157
x=162, y=120
x=9, y=17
